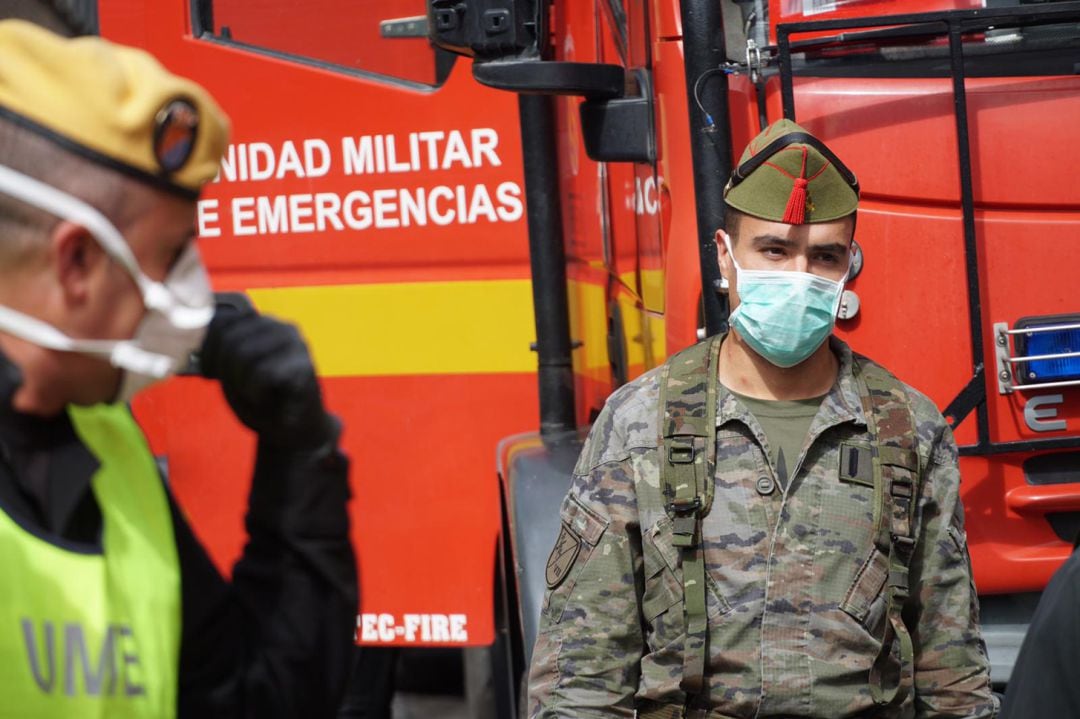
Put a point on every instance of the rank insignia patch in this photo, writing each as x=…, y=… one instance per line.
x=562, y=556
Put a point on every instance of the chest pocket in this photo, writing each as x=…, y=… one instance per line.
x=893, y=514
x=865, y=598
x=578, y=538
x=662, y=601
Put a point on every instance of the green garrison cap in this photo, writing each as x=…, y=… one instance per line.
x=788, y=175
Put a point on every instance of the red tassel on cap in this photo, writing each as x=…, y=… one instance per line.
x=795, y=212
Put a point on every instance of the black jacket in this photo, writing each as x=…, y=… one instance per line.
x=276, y=641
x=1043, y=682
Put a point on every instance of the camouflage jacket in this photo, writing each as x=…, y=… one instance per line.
x=795, y=598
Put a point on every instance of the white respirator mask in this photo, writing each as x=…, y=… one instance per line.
x=178, y=310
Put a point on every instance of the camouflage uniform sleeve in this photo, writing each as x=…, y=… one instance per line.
x=586, y=659
x=952, y=674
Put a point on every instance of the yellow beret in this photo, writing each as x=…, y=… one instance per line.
x=113, y=104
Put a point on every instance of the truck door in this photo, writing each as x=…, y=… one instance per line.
x=611, y=204
x=957, y=123
x=372, y=194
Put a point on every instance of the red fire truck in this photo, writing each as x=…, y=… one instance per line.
x=407, y=181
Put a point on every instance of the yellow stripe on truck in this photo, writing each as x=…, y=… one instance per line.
x=644, y=331
x=474, y=327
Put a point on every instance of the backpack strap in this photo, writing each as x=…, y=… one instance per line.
x=891, y=425
x=688, y=395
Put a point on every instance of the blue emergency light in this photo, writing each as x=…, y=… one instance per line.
x=1056, y=340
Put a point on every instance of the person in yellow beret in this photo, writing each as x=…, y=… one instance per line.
x=769, y=524
x=109, y=606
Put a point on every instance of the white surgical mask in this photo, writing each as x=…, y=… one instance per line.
x=177, y=310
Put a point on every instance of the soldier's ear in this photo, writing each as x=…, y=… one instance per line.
x=76, y=259
x=723, y=257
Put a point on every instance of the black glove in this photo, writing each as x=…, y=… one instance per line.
x=10, y=380
x=268, y=378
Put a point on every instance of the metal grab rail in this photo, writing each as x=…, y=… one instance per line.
x=1007, y=363
x=1035, y=358
x=1031, y=386
x=1044, y=328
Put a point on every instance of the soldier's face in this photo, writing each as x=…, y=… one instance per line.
x=821, y=248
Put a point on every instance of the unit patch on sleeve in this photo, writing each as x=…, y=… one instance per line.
x=562, y=556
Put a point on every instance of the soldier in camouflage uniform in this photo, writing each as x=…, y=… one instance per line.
x=842, y=588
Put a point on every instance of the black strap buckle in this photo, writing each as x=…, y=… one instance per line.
x=680, y=451
x=902, y=487
x=899, y=583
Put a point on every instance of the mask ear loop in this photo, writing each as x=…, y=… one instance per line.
x=731, y=256
x=842, y=283
x=122, y=354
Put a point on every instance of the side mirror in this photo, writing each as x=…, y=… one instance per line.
x=620, y=129
x=505, y=39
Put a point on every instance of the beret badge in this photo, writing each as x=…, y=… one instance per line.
x=175, y=128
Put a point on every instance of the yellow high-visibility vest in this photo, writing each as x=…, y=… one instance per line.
x=95, y=634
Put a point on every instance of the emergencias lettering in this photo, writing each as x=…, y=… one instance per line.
x=381, y=209
x=111, y=669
